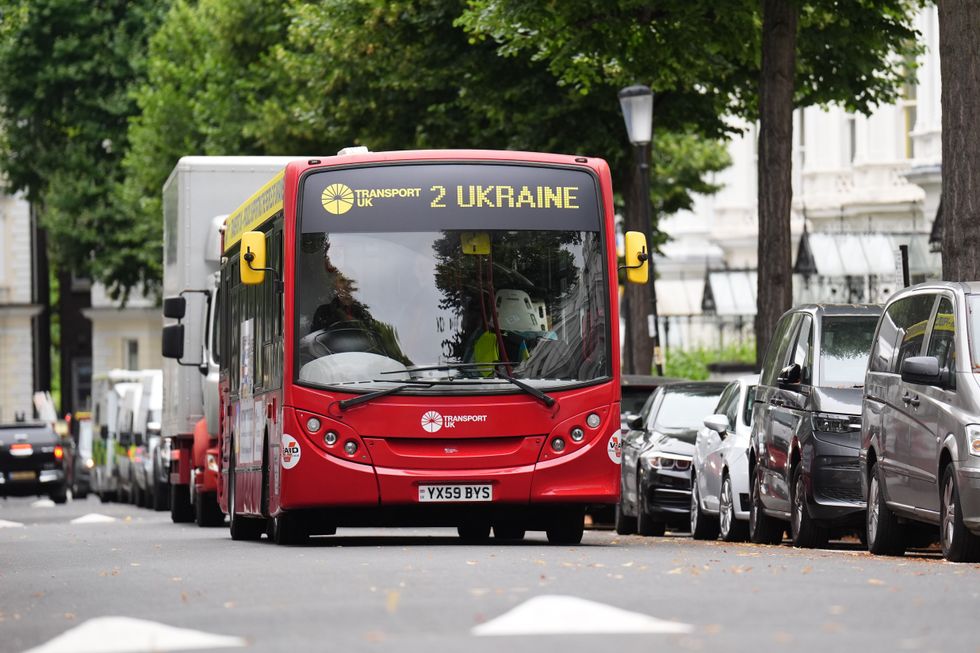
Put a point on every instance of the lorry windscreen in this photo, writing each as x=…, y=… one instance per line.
x=416, y=266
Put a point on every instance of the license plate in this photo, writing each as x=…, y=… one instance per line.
x=453, y=493
x=23, y=476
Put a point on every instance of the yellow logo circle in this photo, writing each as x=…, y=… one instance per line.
x=337, y=199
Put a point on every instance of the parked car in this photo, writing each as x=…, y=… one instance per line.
x=656, y=458
x=806, y=430
x=32, y=459
x=82, y=461
x=920, y=446
x=635, y=390
x=720, y=472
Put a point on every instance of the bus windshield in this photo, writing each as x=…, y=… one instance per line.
x=398, y=274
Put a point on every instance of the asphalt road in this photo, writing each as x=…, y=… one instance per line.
x=422, y=590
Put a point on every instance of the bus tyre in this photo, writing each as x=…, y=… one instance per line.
x=181, y=510
x=206, y=510
x=763, y=529
x=959, y=544
x=567, y=527
x=289, y=530
x=804, y=531
x=508, y=532
x=882, y=531
x=242, y=528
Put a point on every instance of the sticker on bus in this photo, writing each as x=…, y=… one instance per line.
x=615, y=449
x=291, y=452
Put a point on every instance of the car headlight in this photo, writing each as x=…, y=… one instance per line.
x=973, y=438
x=674, y=462
x=89, y=463
x=827, y=423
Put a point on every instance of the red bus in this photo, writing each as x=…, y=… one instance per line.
x=422, y=338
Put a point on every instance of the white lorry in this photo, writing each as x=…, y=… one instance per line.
x=197, y=196
x=114, y=397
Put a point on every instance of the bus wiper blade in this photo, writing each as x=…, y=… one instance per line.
x=357, y=401
x=530, y=389
x=446, y=366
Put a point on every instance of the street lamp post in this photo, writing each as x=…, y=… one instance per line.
x=637, y=105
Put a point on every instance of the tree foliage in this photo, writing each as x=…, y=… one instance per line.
x=65, y=73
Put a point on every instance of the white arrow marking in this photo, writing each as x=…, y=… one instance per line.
x=93, y=518
x=43, y=503
x=10, y=524
x=126, y=635
x=569, y=615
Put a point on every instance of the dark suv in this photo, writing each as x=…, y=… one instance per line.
x=806, y=433
x=32, y=459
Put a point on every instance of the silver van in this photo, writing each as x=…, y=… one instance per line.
x=920, y=423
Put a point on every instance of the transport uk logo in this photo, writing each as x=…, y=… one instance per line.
x=433, y=421
x=291, y=452
x=337, y=198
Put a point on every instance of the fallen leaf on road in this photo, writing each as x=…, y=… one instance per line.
x=836, y=609
x=740, y=569
x=875, y=581
x=627, y=564
x=70, y=616
x=229, y=604
x=675, y=571
x=471, y=562
x=806, y=570
x=391, y=602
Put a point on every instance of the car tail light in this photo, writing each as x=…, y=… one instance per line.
x=59, y=452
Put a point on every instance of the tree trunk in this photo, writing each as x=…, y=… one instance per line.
x=959, y=56
x=775, y=292
x=639, y=345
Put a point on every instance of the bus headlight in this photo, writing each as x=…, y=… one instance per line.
x=558, y=444
x=313, y=425
x=577, y=434
x=593, y=420
x=330, y=438
x=350, y=447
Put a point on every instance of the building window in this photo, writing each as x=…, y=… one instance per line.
x=801, y=138
x=851, y=137
x=908, y=104
x=131, y=354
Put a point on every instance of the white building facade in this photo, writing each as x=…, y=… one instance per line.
x=862, y=186
x=128, y=337
x=17, y=309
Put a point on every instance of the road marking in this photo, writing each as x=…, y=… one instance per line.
x=10, y=524
x=43, y=503
x=93, y=518
x=126, y=635
x=570, y=615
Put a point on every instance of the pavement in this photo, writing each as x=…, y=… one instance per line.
x=88, y=577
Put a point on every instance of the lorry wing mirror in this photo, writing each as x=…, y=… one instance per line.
x=173, y=341
x=252, y=263
x=637, y=259
x=174, y=307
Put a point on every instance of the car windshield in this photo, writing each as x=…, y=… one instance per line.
x=685, y=408
x=404, y=283
x=747, y=406
x=633, y=400
x=845, y=344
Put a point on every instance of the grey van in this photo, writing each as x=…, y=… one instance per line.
x=920, y=449
x=803, y=458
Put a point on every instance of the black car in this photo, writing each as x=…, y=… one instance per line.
x=806, y=429
x=635, y=389
x=32, y=461
x=655, y=490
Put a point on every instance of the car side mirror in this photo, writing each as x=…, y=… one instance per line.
x=636, y=424
x=790, y=376
x=718, y=423
x=924, y=370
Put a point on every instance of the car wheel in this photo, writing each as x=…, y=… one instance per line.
x=730, y=528
x=959, y=544
x=60, y=495
x=645, y=523
x=136, y=496
x=474, y=531
x=763, y=529
x=567, y=527
x=703, y=527
x=883, y=532
x=625, y=525
x=508, y=532
x=804, y=531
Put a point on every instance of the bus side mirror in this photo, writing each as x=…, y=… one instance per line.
x=174, y=307
x=173, y=341
x=637, y=265
x=252, y=258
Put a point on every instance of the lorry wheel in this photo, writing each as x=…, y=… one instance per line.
x=181, y=510
x=206, y=510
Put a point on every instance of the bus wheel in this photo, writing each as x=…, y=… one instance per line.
x=567, y=527
x=289, y=530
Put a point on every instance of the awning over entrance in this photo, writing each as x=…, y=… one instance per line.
x=676, y=297
x=730, y=292
x=863, y=255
